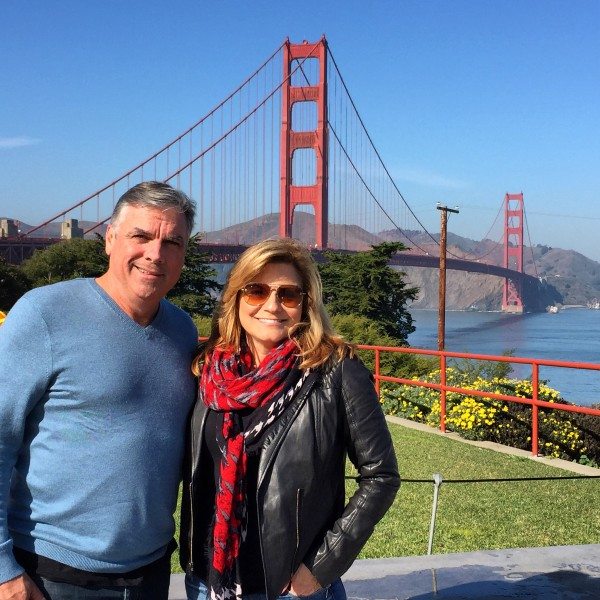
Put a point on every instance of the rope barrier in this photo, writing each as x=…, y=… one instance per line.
x=437, y=481
x=493, y=479
x=503, y=479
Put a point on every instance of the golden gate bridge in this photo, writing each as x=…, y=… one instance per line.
x=287, y=153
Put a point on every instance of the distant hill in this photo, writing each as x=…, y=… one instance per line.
x=575, y=277
x=340, y=236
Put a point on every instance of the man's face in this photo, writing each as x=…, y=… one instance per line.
x=146, y=249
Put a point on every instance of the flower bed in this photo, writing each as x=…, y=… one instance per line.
x=560, y=434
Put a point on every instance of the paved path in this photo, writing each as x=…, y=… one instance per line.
x=553, y=573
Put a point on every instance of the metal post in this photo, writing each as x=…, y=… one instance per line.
x=377, y=372
x=437, y=482
x=443, y=382
x=442, y=284
x=535, y=384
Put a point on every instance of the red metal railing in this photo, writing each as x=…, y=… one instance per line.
x=443, y=388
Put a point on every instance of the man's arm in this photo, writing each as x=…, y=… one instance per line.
x=25, y=366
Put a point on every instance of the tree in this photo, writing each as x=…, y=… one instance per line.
x=86, y=258
x=362, y=330
x=68, y=259
x=13, y=284
x=364, y=284
x=194, y=290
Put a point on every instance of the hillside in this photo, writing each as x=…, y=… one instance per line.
x=574, y=277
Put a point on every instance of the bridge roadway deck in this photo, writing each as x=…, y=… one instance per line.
x=15, y=250
x=553, y=573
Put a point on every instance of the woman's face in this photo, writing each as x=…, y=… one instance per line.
x=268, y=323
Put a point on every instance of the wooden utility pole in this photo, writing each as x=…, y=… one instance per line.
x=442, y=286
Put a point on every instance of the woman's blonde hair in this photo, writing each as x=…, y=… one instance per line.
x=314, y=335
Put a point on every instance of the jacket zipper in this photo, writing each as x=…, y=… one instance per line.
x=190, y=559
x=191, y=500
x=299, y=494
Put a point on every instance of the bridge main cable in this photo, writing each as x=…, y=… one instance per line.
x=157, y=153
x=377, y=152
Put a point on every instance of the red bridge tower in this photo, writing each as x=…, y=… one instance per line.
x=315, y=195
x=512, y=296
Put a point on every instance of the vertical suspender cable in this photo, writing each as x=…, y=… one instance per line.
x=201, y=199
x=178, y=162
x=233, y=195
x=219, y=183
x=191, y=166
x=229, y=197
x=255, y=160
x=264, y=160
x=212, y=178
x=224, y=200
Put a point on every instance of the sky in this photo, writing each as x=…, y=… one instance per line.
x=464, y=100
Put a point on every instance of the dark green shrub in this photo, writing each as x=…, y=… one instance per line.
x=358, y=329
x=589, y=427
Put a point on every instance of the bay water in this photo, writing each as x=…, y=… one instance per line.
x=571, y=334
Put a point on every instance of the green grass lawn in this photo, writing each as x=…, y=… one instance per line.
x=478, y=516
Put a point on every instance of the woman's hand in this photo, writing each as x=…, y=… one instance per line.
x=303, y=582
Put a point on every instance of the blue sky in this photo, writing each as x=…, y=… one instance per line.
x=465, y=100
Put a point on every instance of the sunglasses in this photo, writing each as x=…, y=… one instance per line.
x=290, y=296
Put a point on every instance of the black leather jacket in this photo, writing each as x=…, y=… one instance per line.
x=300, y=495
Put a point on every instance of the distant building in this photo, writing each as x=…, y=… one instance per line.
x=8, y=228
x=70, y=229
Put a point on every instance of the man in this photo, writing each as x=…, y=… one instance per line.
x=95, y=388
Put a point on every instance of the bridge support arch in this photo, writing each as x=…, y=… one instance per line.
x=315, y=195
x=512, y=295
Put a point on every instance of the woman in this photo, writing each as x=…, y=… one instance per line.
x=282, y=401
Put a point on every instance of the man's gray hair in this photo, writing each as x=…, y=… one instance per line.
x=156, y=194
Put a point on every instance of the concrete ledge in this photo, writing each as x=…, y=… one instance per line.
x=560, y=572
x=551, y=573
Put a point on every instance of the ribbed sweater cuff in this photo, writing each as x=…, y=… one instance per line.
x=9, y=567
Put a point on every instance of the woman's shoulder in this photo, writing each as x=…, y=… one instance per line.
x=348, y=360
x=348, y=365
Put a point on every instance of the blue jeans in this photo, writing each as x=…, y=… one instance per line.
x=197, y=590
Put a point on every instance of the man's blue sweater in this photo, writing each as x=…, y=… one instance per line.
x=92, y=425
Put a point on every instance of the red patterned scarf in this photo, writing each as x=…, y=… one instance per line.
x=229, y=384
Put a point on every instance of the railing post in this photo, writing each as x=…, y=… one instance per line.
x=377, y=371
x=535, y=378
x=443, y=392
x=437, y=482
